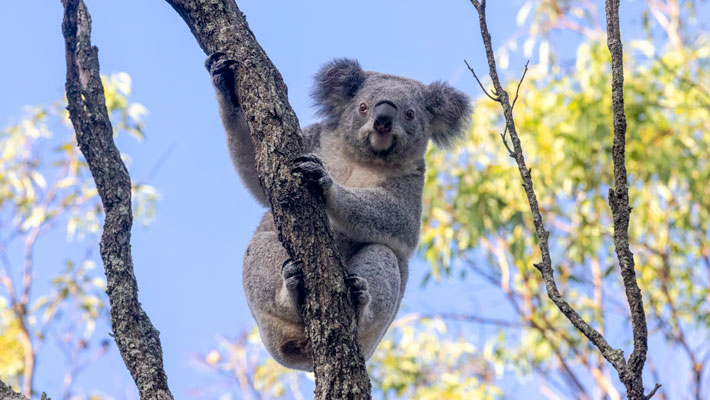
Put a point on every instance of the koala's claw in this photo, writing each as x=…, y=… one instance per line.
x=312, y=172
x=359, y=291
x=214, y=57
x=308, y=157
x=292, y=274
x=217, y=62
x=220, y=68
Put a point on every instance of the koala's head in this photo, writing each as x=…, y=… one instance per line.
x=386, y=118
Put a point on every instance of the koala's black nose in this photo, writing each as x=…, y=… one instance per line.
x=384, y=112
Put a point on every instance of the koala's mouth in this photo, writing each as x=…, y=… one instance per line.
x=381, y=145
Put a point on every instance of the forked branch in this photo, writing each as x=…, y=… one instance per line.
x=629, y=373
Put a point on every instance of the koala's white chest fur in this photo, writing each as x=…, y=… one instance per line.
x=347, y=172
x=353, y=174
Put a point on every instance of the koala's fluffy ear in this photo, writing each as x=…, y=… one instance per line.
x=450, y=112
x=336, y=83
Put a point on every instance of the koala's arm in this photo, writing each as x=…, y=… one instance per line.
x=239, y=142
x=389, y=214
x=241, y=147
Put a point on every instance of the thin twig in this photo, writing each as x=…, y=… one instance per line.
x=511, y=153
x=653, y=391
x=479, y=82
x=517, y=91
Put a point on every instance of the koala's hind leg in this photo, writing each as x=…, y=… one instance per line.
x=378, y=266
x=271, y=284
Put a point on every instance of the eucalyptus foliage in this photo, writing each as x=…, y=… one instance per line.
x=478, y=221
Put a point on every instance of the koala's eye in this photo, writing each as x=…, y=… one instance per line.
x=362, y=108
x=409, y=114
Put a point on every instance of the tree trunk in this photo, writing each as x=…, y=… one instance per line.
x=219, y=26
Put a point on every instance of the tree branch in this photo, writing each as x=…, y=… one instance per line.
x=614, y=356
x=304, y=230
x=629, y=374
x=6, y=393
x=619, y=201
x=136, y=338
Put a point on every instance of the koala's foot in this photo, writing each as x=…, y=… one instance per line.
x=359, y=293
x=292, y=274
x=222, y=72
x=297, y=349
x=313, y=173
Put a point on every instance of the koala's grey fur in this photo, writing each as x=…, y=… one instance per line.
x=372, y=183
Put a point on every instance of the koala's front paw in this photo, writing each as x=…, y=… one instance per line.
x=359, y=292
x=222, y=73
x=313, y=173
x=292, y=274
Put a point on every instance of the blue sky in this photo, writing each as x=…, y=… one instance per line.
x=188, y=261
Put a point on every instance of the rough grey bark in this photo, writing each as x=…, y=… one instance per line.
x=219, y=26
x=620, y=210
x=135, y=336
x=6, y=393
x=629, y=373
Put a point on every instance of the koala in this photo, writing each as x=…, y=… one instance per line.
x=366, y=157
